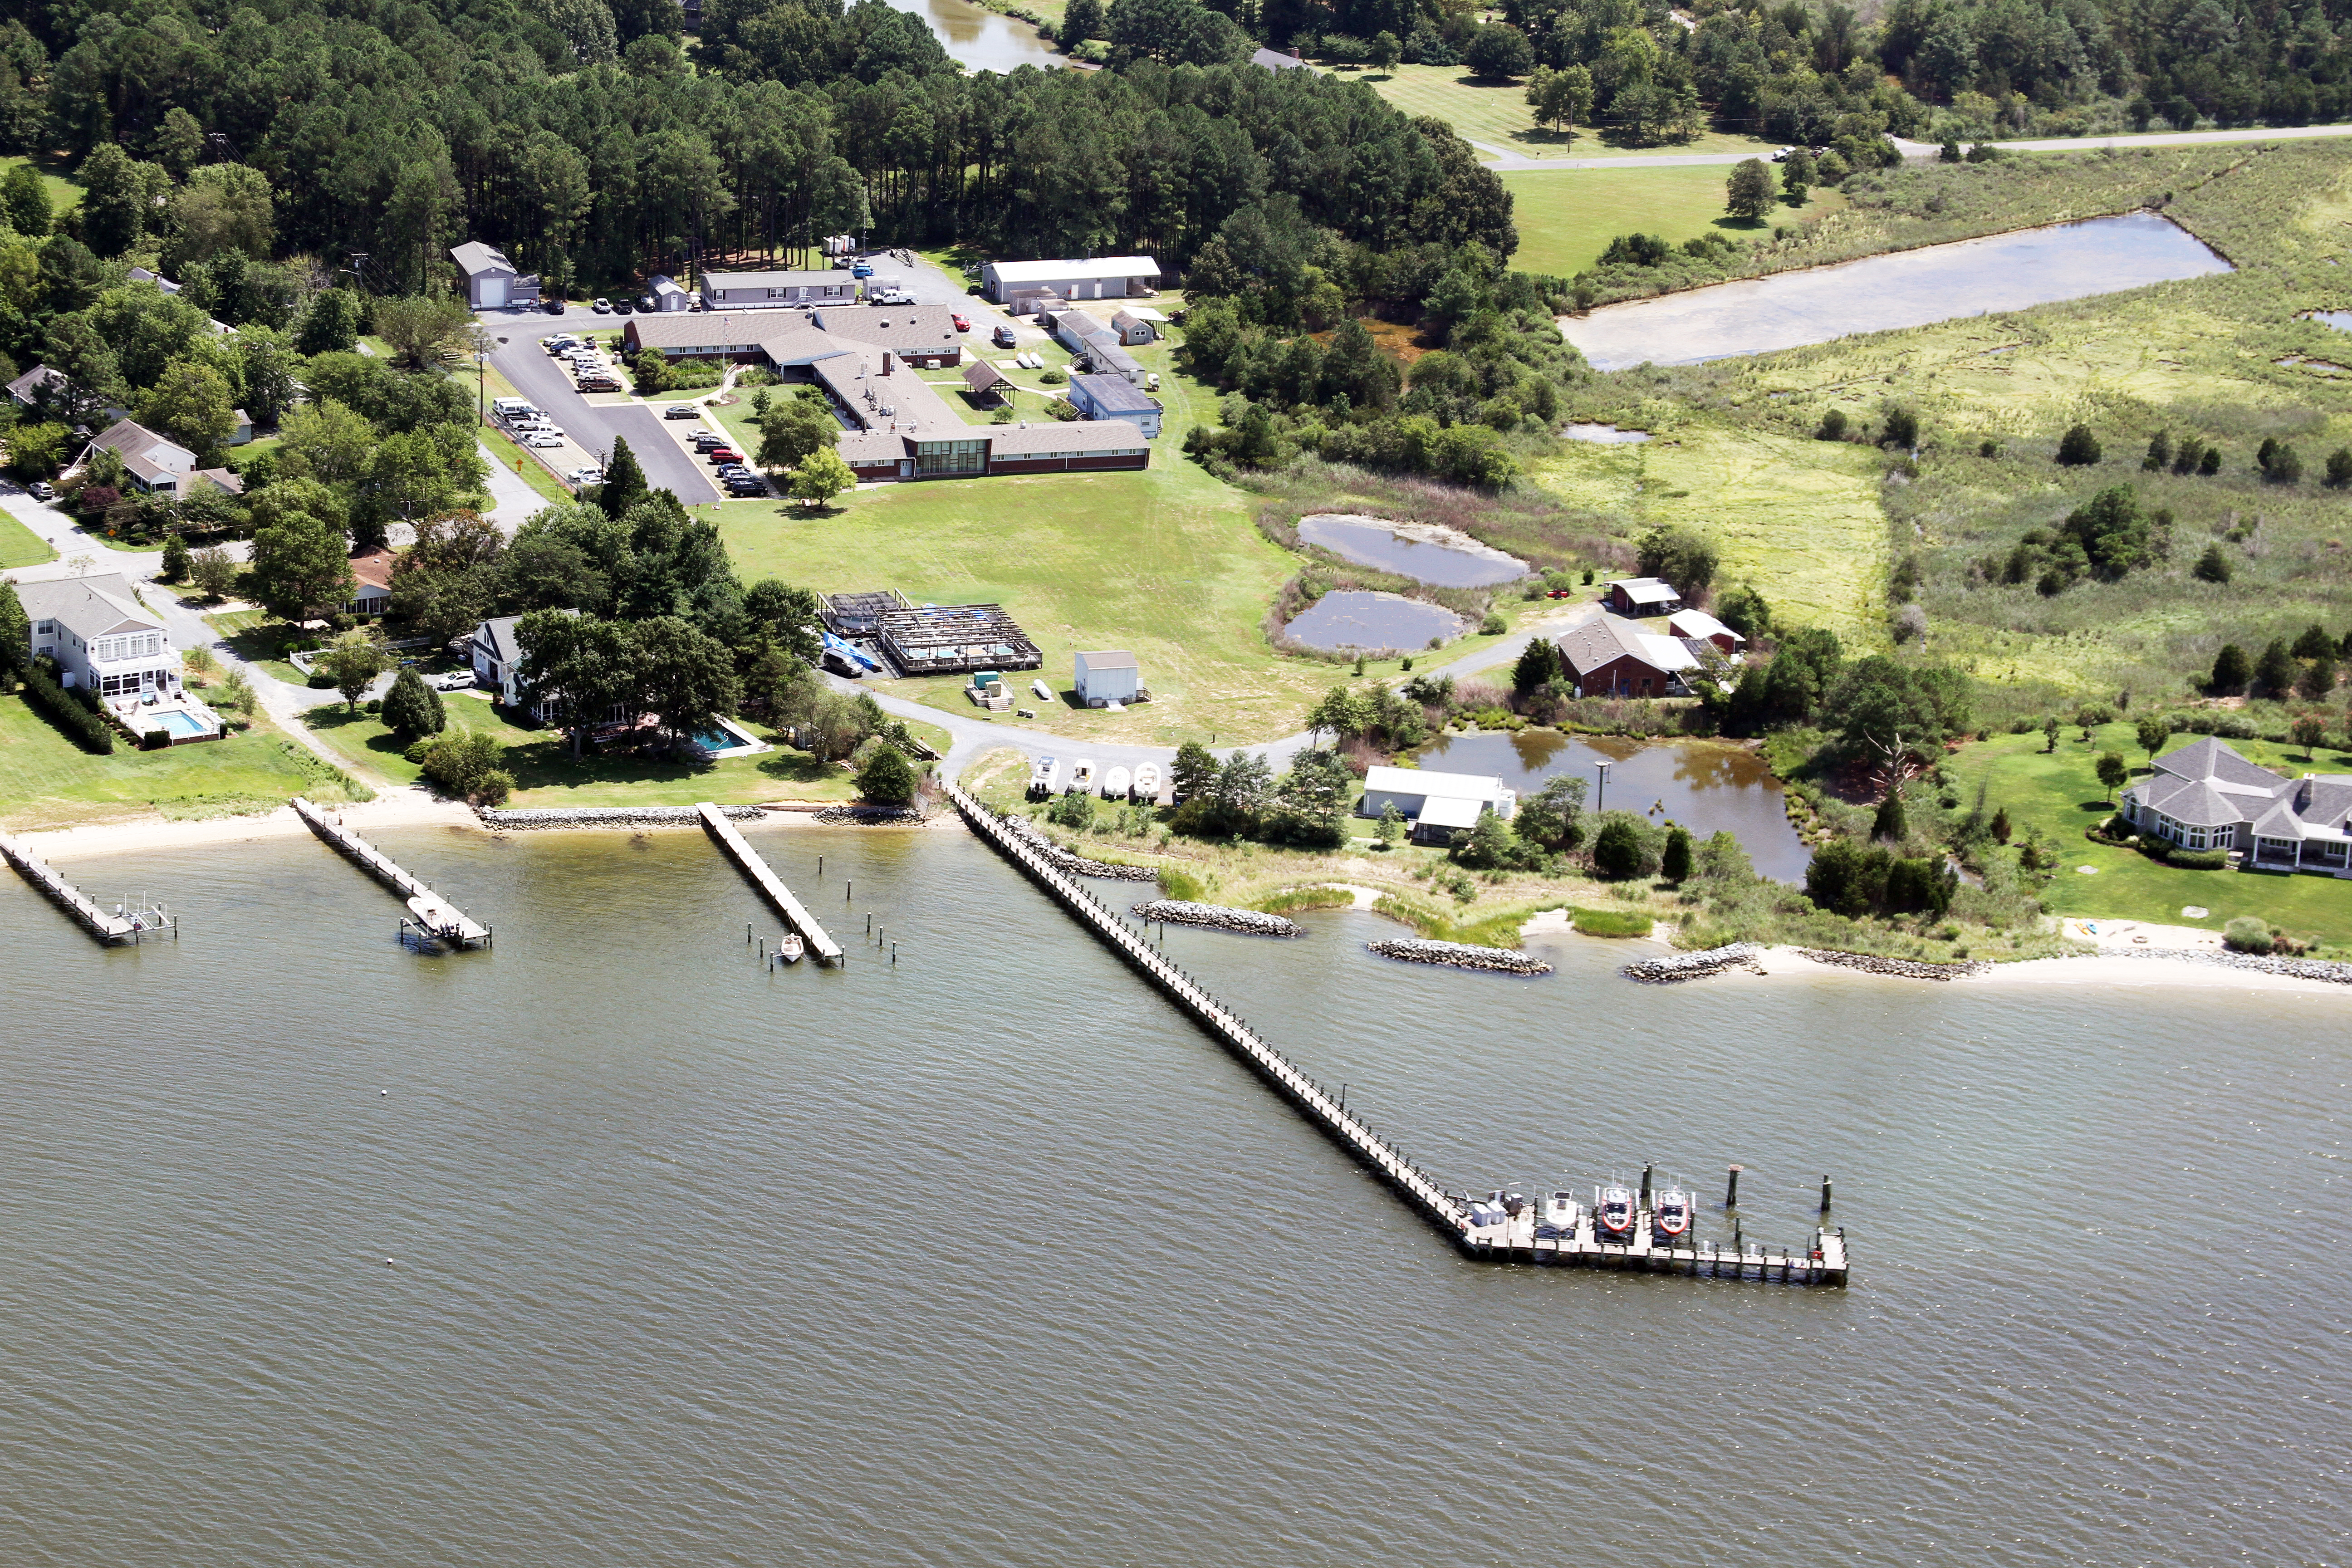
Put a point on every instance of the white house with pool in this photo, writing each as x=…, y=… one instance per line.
x=105, y=641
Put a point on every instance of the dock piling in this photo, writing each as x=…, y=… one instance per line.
x=1825, y=1194
x=1731, y=1188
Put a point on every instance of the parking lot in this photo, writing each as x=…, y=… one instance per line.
x=592, y=423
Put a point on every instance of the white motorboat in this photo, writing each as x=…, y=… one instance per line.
x=1045, y=693
x=789, y=948
x=1672, y=1213
x=1116, y=784
x=1147, y=782
x=1042, y=774
x=1559, y=1217
x=1613, y=1212
x=1082, y=777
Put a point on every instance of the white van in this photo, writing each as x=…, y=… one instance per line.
x=512, y=408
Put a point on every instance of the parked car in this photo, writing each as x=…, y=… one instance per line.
x=586, y=476
x=623, y=307
x=597, y=384
x=43, y=491
x=451, y=681
x=962, y=322
x=724, y=455
x=542, y=438
x=602, y=307
x=861, y=269
x=747, y=485
x=889, y=295
x=681, y=411
x=705, y=440
x=1002, y=337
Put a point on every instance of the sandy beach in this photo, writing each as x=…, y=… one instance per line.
x=392, y=808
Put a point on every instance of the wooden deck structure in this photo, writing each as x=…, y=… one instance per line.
x=1512, y=1242
x=434, y=916
x=106, y=928
x=770, y=885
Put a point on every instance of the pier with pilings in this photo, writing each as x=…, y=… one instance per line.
x=771, y=887
x=1514, y=1239
x=430, y=916
x=122, y=925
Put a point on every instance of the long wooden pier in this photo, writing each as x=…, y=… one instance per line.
x=1514, y=1241
x=435, y=915
x=770, y=885
x=106, y=928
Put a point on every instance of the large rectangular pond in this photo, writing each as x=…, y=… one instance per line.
x=1906, y=288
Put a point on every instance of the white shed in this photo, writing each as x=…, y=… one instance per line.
x=1111, y=676
x=1415, y=792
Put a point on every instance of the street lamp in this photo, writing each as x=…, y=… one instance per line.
x=1602, y=766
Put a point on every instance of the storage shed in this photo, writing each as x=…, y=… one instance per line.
x=492, y=282
x=1108, y=278
x=1111, y=676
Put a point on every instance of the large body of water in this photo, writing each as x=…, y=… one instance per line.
x=1904, y=288
x=1704, y=786
x=992, y=1259
x=981, y=39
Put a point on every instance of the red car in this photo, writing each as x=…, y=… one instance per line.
x=724, y=455
x=962, y=323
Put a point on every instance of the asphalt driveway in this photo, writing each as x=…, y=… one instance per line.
x=526, y=365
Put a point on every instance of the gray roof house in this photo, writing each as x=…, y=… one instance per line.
x=775, y=291
x=2206, y=796
x=103, y=638
x=153, y=463
x=36, y=384
x=496, y=657
x=1276, y=62
x=1115, y=397
x=492, y=282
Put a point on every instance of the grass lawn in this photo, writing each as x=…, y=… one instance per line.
x=1497, y=114
x=2058, y=795
x=1566, y=218
x=64, y=194
x=46, y=781
x=545, y=774
x=534, y=472
x=20, y=546
x=260, y=640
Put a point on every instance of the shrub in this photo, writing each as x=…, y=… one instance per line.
x=2247, y=934
x=154, y=740
x=494, y=786
x=2078, y=449
x=412, y=709
x=1075, y=812
x=321, y=681
x=1611, y=922
x=890, y=779
x=59, y=706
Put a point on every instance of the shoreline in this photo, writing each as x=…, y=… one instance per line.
x=2094, y=965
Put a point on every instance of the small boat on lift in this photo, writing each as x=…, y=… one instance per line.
x=1672, y=1213
x=790, y=948
x=1613, y=1212
x=1558, y=1218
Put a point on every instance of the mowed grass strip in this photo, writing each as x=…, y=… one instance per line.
x=46, y=779
x=1566, y=218
x=1496, y=113
x=20, y=546
x=2058, y=795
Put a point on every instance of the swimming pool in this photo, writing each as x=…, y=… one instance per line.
x=179, y=722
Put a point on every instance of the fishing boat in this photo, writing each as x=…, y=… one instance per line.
x=1613, y=1212
x=1116, y=784
x=1042, y=775
x=1672, y=1213
x=1558, y=1221
x=1082, y=777
x=1045, y=693
x=789, y=948
x=1147, y=782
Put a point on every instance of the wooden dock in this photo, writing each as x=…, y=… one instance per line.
x=770, y=885
x=1512, y=1242
x=432, y=914
x=106, y=928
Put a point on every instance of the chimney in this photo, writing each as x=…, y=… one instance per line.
x=885, y=363
x=1294, y=52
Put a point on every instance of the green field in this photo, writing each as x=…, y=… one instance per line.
x=1496, y=114
x=64, y=194
x=1566, y=218
x=46, y=781
x=20, y=546
x=2058, y=795
x=545, y=774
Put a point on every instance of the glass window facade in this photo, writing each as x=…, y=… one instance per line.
x=936, y=457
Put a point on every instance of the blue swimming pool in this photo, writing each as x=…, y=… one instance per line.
x=718, y=739
x=182, y=723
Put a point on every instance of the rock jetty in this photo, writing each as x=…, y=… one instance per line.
x=1902, y=968
x=872, y=816
x=1691, y=965
x=1178, y=912
x=1063, y=860
x=2293, y=968
x=607, y=816
x=1459, y=955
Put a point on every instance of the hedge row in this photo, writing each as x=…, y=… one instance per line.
x=61, y=708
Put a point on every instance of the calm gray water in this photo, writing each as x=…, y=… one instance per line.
x=1705, y=786
x=1350, y=617
x=993, y=1260
x=1371, y=545
x=1906, y=288
x=981, y=39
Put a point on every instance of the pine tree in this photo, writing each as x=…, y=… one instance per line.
x=1676, y=865
x=2274, y=671
x=176, y=559
x=2232, y=670
x=1890, y=824
x=2000, y=827
x=2078, y=449
x=2159, y=452
x=2213, y=566
x=625, y=483
x=413, y=709
x=1539, y=666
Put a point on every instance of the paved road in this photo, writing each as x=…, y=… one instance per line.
x=594, y=426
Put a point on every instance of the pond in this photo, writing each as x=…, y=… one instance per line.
x=2340, y=320
x=1703, y=786
x=1906, y=288
x=1605, y=435
x=1351, y=618
x=1441, y=556
x=983, y=40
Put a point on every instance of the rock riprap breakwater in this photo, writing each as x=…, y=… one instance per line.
x=2293, y=968
x=608, y=816
x=1063, y=860
x=872, y=816
x=1902, y=968
x=1691, y=965
x=1459, y=955
x=1177, y=911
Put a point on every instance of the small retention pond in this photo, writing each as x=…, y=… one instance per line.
x=1907, y=289
x=1437, y=556
x=984, y=40
x=1350, y=618
x=1705, y=786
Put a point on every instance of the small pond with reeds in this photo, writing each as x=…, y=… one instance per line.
x=1439, y=557
x=1351, y=618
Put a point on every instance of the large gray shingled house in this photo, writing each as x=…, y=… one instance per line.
x=2206, y=796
